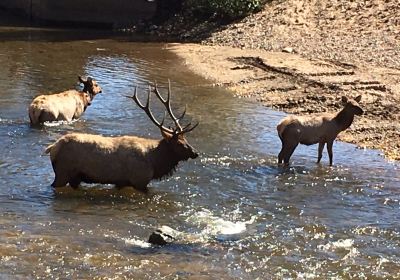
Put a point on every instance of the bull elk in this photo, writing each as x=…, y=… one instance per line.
x=322, y=129
x=125, y=160
x=64, y=106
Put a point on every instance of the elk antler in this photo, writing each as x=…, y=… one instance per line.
x=167, y=103
x=146, y=108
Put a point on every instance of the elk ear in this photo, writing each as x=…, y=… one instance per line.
x=82, y=80
x=344, y=99
x=167, y=136
x=358, y=98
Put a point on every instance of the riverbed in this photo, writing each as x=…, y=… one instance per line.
x=257, y=221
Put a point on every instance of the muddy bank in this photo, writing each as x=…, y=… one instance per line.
x=300, y=85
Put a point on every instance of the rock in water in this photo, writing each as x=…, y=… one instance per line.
x=160, y=238
x=164, y=235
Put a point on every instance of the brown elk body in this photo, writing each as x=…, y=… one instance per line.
x=322, y=129
x=64, y=106
x=123, y=161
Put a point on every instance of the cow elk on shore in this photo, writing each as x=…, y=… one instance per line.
x=125, y=160
x=64, y=106
x=322, y=129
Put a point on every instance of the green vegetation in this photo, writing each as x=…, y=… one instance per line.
x=225, y=9
x=196, y=19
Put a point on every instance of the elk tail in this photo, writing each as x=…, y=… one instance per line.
x=280, y=128
x=49, y=148
x=54, y=148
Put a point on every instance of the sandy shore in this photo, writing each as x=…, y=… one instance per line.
x=299, y=85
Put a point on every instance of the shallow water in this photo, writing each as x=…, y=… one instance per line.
x=255, y=220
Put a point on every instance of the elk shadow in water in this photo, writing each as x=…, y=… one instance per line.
x=101, y=193
x=318, y=176
x=110, y=194
x=87, y=199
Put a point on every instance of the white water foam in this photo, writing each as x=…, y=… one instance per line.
x=339, y=244
x=136, y=242
x=219, y=228
x=58, y=123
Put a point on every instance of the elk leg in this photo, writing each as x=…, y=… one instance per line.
x=280, y=155
x=59, y=181
x=120, y=186
x=46, y=117
x=320, y=149
x=75, y=181
x=288, y=151
x=64, y=176
x=330, y=152
x=143, y=189
x=140, y=186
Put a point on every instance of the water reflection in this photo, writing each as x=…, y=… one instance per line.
x=308, y=221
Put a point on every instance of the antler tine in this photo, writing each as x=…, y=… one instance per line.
x=165, y=115
x=176, y=120
x=187, y=128
x=146, y=108
x=167, y=104
x=135, y=98
x=148, y=98
x=183, y=114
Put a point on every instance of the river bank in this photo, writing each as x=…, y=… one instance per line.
x=301, y=57
x=298, y=85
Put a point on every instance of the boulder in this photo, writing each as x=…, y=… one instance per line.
x=164, y=235
x=167, y=235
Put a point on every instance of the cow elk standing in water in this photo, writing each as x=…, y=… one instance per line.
x=322, y=129
x=124, y=160
x=64, y=106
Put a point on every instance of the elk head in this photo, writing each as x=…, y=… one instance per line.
x=90, y=86
x=173, y=136
x=352, y=105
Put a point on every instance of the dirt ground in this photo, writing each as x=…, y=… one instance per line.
x=300, y=85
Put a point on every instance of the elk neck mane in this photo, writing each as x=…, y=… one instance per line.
x=164, y=160
x=344, y=118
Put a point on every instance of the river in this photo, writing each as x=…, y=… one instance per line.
x=256, y=221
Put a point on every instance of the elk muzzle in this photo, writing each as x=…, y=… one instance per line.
x=359, y=112
x=192, y=152
x=194, y=155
